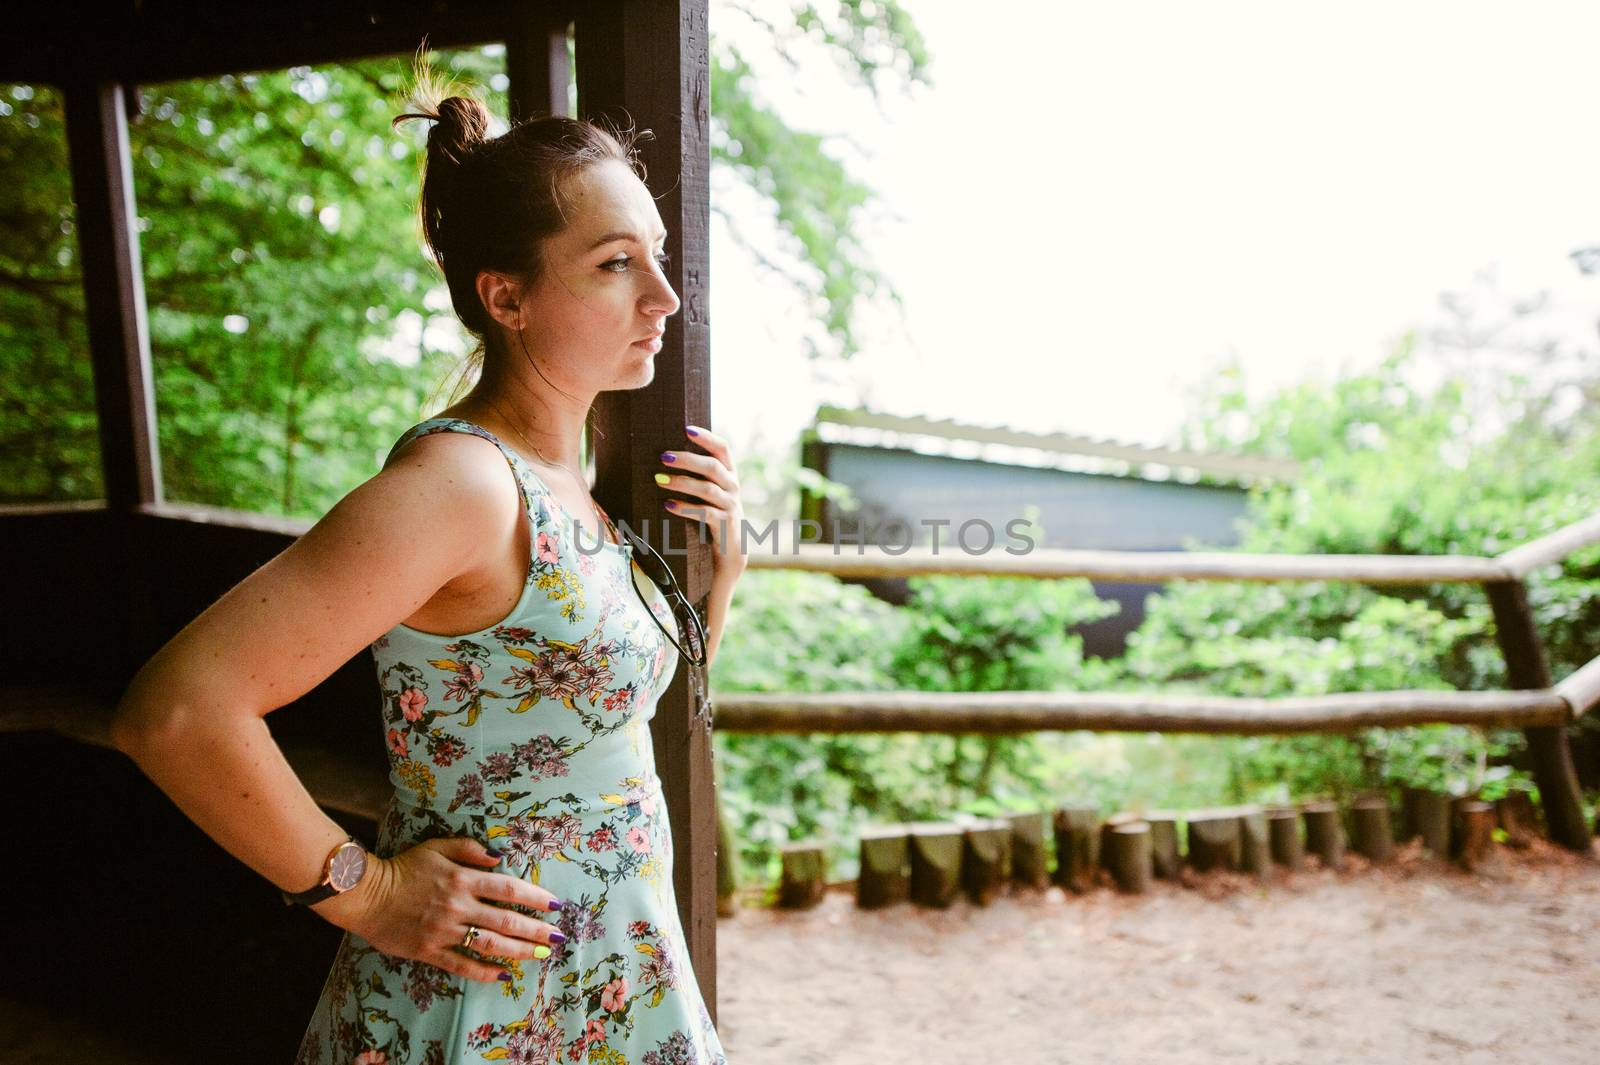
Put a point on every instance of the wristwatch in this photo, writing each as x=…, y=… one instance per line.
x=346, y=865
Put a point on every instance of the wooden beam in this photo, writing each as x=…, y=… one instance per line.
x=645, y=63
x=187, y=42
x=1581, y=690
x=1521, y=561
x=1527, y=668
x=539, y=65
x=113, y=288
x=873, y=560
x=995, y=713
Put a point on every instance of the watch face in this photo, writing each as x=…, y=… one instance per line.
x=349, y=863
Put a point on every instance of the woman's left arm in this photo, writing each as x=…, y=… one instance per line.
x=710, y=478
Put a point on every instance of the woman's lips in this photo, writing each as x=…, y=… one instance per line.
x=652, y=344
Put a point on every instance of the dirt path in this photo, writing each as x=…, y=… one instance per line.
x=1415, y=962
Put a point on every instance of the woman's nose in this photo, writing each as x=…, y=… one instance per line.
x=661, y=299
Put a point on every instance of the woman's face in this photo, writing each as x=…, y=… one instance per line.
x=594, y=316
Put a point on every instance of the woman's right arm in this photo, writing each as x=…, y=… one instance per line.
x=194, y=716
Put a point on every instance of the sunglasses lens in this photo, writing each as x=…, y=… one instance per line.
x=694, y=635
x=660, y=574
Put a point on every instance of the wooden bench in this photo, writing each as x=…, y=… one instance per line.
x=85, y=717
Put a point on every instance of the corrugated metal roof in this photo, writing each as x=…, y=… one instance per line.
x=1155, y=463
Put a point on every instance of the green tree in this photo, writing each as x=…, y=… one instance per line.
x=296, y=324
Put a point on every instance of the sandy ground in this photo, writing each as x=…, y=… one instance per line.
x=1413, y=962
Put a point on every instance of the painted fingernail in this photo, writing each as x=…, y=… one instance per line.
x=504, y=976
x=662, y=478
x=691, y=430
x=671, y=504
x=667, y=456
x=496, y=855
x=557, y=937
x=541, y=952
x=555, y=904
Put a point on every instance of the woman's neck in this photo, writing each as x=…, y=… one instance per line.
x=550, y=425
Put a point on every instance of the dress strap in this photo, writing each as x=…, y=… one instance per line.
x=460, y=425
x=518, y=464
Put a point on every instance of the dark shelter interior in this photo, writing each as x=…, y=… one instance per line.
x=124, y=918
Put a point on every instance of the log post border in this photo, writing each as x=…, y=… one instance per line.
x=1527, y=667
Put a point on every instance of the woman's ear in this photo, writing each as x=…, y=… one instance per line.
x=502, y=297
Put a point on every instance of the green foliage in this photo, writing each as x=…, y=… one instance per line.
x=791, y=631
x=1291, y=639
x=794, y=631
x=975, y=634
x=816, y=201
x=1387, y=468
x=282, y=241
x=48, y=447
x=297, y=327
x=280, y=248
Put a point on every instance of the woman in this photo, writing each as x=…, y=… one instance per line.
x=518, y=901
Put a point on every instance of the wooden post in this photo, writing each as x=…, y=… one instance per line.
x=936, y=850
x=884, y=878
x=1324, y=832
x=1370, y=833
x=647, y=64
x=1255, y=846
x=1409, y=794
x=803, y=874
x=1029, y=866
x=1130, y=861
x=1430, y=811
x=1515, y=813
x=986, y=859
x=119, y=339
x=1283, y=834
x=1164, y=853
x=538, y=64
x=113, y=292
x=1476, y=824
x=728, y=874
x=1107, y=827
x=1077, y=838
x=1527, y=668
x=1214, y=839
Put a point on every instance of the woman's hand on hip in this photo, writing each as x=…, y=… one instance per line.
x=420, y=903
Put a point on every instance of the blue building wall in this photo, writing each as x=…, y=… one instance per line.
x=1076, y=510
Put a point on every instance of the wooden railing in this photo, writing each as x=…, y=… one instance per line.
x=1532, y=704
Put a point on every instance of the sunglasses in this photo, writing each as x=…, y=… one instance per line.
x=688, y=618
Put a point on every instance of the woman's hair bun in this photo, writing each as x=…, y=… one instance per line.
x=461, y=124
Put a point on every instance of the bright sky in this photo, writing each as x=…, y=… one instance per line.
x=1098, y=204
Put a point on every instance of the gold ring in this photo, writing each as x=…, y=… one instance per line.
x=472, y=933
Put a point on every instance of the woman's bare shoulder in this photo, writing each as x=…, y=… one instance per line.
x=434, y=512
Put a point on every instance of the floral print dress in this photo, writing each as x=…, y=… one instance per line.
x=532, y=737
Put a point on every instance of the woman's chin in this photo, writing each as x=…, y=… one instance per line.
x=643, y=372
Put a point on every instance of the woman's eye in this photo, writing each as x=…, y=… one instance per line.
x=621, y=265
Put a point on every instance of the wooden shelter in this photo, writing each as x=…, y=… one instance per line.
x=106, y=583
